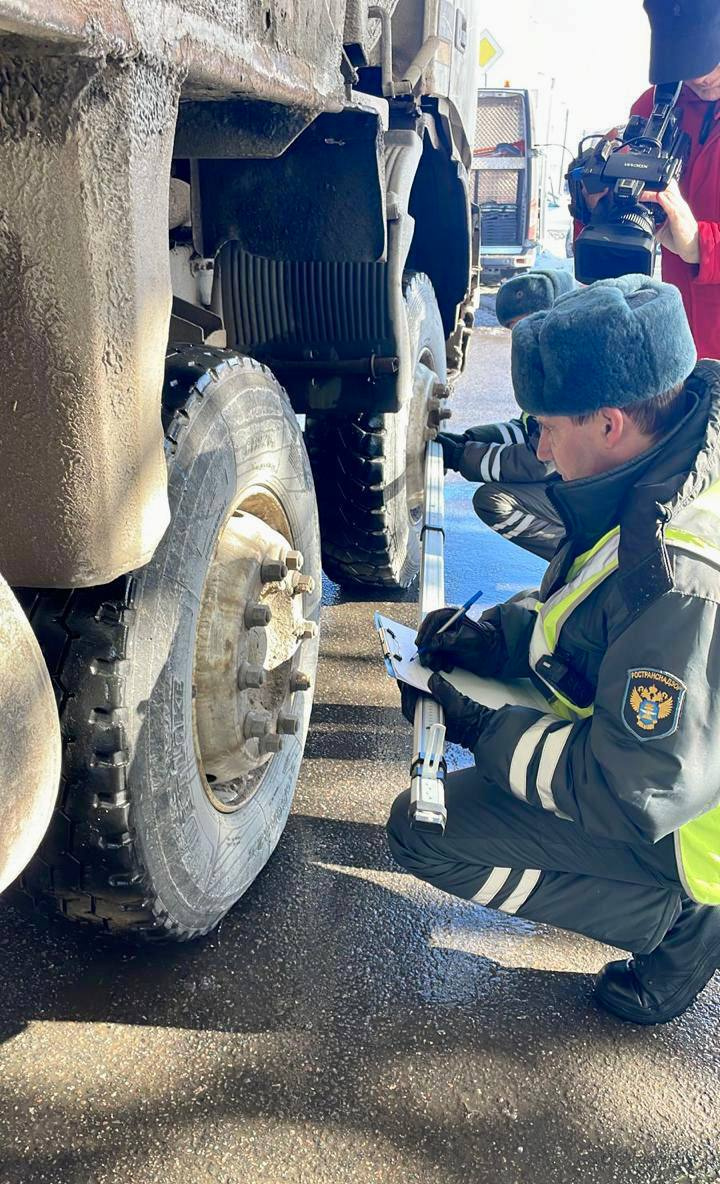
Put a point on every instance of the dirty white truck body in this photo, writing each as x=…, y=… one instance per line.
x=212, y=216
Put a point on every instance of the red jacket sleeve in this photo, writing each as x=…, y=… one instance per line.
x=709, y=270
x=644, y=105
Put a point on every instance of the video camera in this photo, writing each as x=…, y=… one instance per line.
x=619, y=233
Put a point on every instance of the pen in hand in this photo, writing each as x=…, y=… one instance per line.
x=450, y=621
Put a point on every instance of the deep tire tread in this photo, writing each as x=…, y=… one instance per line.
x=353, y=486
x=89, y=866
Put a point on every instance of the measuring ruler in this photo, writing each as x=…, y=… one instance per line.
x=427, y=773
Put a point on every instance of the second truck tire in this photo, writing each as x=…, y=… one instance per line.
x=368, y=467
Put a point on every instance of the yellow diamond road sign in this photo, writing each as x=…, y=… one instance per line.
x=489, y=50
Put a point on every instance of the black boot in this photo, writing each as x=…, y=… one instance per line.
x=657, y=987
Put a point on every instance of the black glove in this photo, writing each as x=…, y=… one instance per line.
x=408, y=698
x=465, y=720
x=478, y=646
x=453, y=447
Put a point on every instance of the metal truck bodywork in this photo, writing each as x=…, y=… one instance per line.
x=317, y=151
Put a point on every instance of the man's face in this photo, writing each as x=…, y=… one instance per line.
x=576, y=449
x=707, y=87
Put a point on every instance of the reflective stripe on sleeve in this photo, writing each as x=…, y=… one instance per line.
x=528, y=882
x=486, y=461
x=495, y=466
x=498, y=876
x=524, y=752
x=505, y=429
x=517, y=432
x=552, y=751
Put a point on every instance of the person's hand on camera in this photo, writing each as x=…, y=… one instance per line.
x=680, y=232
x=465, y=720
x=453, y=447
x=478, y=646
x=593, y=199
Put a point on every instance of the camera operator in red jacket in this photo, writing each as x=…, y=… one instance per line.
x=685, y=44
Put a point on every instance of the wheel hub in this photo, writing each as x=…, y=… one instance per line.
x=250, y=629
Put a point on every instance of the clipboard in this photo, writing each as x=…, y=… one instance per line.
x=401, y=662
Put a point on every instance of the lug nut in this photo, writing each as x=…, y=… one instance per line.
x=257, y=615
x=294, y=560
x=256, y=723
x=272, y=571
x=441, y=390
x=250, y=676
x=287, y=725
x=302, y=584
x=306, y=629
x=444, y=413
x=299, y=681
x=271, y=743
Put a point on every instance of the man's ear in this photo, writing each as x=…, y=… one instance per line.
x=612, y=425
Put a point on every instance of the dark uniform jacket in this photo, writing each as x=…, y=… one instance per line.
x=634, y=665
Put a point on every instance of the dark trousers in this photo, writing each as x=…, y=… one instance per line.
x=521, y=513
x=508, y=855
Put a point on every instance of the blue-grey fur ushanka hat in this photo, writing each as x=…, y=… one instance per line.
x=531, y=292
x=614, y=343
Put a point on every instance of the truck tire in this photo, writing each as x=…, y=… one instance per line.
x=183, y=713
x=369, y=467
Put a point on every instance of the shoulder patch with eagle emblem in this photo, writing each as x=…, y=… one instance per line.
x=652, y=703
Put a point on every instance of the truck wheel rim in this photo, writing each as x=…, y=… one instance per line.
x=248, y=653
x=424, y=380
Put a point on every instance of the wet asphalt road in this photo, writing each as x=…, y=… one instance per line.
x=348, y=1024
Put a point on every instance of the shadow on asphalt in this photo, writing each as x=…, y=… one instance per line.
x=342, y=732
x=450, y=1141
x=350, y=1038
x=54, y=970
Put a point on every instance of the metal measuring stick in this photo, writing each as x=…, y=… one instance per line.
x=427, y=776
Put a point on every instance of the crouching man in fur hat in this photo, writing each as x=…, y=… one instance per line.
x=601, y=813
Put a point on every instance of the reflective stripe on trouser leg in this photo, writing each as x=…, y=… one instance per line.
x=499, y=851
x=505, y=523
x=507, y=890
x=521, y=513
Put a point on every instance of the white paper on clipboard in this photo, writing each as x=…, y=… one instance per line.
x=400, y=653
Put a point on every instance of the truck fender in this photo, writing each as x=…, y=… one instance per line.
x=30, y=749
